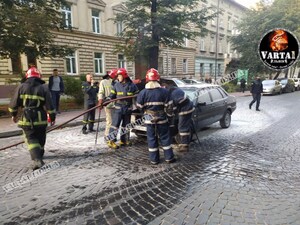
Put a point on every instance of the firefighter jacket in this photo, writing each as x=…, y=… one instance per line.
x=33, y=96
x=154, y=101
x=122, y=90
x=181, y=103
x=90, y=93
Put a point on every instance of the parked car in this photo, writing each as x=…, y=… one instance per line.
x=288, y=85
x=297, y=83
x=212, y=104
x=271, y=87
x=191, y=81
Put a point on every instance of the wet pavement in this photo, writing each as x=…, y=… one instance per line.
x=246, y=174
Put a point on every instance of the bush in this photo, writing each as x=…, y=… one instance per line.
x=230, y=87
x=73, y=88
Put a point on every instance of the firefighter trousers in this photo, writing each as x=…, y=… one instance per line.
x=35, y=138
x=185, y=128
x=89, y=118
x=120, y=116
x=161, y=132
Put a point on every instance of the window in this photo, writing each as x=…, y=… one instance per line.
x=185, y=42
x=96, y=21
x=71, y=64
x=202, y=45
x=211, y=69
x=219, y=69
x=98, y=62
x=160, y=65
x=16, y=64
x=201, y=69
x=216, y=95
x=221, y=46
x=120, y=27
x=67, y=16
x=173, y=65
x=229, y=24
x=31, y=58
x=212, y=45
x=184, y=65
x=204, y=96
x=121, y=61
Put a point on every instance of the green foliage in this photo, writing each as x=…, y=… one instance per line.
x=257, y=22
x=73, y=88
x=231, y=87
x=25, y=28
x=151, y=23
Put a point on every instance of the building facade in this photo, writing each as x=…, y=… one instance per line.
x=94, y=35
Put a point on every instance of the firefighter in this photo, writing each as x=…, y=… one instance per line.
x=123, y=109
x=184, y=108
x=90, y=90
x=104, y=92
x=154, y=101
x=35, y=100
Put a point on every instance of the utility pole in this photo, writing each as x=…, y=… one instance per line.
x=217, y=41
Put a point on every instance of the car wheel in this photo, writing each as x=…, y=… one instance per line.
x=226, y=120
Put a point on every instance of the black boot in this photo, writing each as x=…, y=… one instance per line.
x=36, y=156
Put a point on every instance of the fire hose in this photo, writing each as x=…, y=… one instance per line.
x=68, y=121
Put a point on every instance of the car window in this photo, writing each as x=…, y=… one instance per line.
x=203, y=96
x=179, y=82
x=223, y=92
x=215, y=94
x=169, y=82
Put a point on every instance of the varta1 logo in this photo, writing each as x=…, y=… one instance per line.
x=279, y=49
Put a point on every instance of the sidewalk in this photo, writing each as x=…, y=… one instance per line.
x=8, y=128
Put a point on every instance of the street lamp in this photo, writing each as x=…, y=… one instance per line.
x=217, y=41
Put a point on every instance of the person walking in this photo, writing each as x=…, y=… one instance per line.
x=90, y=90
x=243, y=84
x=104, y=92
x=183, y=107
x=35, y=100
x=56, y=87
x=256, y=90
x=123, y=109
x=154, y=101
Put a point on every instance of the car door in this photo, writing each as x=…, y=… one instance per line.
x=202, y=115
x=218, y=105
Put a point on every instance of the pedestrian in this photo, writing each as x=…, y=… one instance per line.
x=154, y=101
x=183, y=108
x=35, y=100
x=243, y=84
x=256, y=90
x=56, y=87
x=90, y=90
x=104, y=92
x=123, y=109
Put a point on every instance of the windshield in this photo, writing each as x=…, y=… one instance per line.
x=268, y=82
x=283, y=81
x=179, y=82
x=191, y=93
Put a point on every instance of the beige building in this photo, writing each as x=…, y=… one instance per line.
x=94, y=36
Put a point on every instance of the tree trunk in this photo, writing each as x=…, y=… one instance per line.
x=153, y=54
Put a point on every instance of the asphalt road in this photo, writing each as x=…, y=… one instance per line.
x=246, y=174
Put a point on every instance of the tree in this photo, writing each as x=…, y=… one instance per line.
x=26, y=25
x=149, y=24
x=257, y=22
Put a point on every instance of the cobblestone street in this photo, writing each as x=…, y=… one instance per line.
x=246, y=174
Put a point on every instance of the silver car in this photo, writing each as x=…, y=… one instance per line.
x=271, y=87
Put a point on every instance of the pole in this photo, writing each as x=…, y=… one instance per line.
x=217, y=41
x=97, y=131
x=61, y=125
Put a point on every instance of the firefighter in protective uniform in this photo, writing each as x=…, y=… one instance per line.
x=154, y=101
x=35, y=100
x=105, y=87
x=90, y=90
x=184, y=108
x=123, y=109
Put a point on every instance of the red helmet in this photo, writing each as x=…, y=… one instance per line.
x=152, y=75
x=122, y=72
x=33, y=72
x=113, y=73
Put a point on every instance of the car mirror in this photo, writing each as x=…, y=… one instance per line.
x=201, y=103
